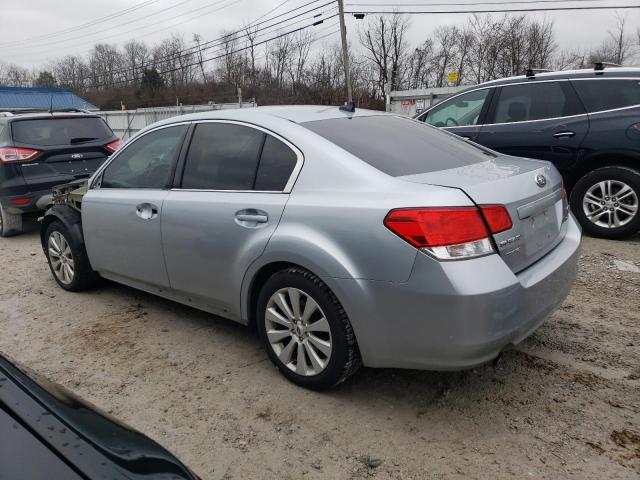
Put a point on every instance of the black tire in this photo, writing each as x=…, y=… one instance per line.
x=626, y=175
x=10, y=224
x=83, y=276
x=344, y=360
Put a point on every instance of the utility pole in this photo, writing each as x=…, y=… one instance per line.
x=345, y=52
x=239, y=97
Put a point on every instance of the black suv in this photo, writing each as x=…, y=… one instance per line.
x=587, y=122
x=41, y=149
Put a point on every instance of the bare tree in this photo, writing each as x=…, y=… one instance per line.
x=135, y=58
x=386, y=46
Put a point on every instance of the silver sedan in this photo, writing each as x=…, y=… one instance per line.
x=343, y=238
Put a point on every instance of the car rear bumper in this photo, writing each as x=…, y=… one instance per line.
x=456, y=315
x=27, y=202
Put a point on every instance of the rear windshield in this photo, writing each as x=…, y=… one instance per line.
x=398, y=146
x=60, y=131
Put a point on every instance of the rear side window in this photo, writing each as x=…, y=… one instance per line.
x=60, y=130
x=222, y=156
x=147, y=162
x=276, y=165
x=399, y=146
x=534, y=101
x=598, y=95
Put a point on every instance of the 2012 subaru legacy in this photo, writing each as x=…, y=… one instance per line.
x=343, y=238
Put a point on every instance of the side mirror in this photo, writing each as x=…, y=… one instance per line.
x=462, y=104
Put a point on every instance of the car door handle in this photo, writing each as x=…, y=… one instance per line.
x=146, y=211
x=567, y=134
x=251, y=217
x=243, y=217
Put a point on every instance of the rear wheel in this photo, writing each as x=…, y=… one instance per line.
x=306, y=331
x=67, y=259
x=605, y=201
x=10, y=224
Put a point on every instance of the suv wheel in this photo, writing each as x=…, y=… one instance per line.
x=306, y=331
x=606, y=202
x=67, y=259
x=10, y=224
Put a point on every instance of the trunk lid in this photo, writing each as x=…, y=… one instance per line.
x=532, y=192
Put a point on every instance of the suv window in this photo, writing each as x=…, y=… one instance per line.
x=60, y=130
x=147, y=162
x=598, y=95
x=402, y=146
x=222, y=156
x=534, y=101
x=461, y=111
x=276, y=164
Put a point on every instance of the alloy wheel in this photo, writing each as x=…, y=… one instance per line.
x=61, y=257
x=610, y=204
x=298, y=331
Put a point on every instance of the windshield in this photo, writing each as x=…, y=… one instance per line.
x=60, y=130
x=399, y=146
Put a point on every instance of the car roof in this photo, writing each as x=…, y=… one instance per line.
x=291, y=113
x=610, y=72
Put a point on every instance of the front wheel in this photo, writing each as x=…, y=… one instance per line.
x=305, y=330
x=605, y=202
x=67, y=259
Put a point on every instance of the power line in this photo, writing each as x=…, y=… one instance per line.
x=198, y=50
x=181, y=67
x=233, y=2
x=469, y=4
x=83, y=25
x=80, y=37
x=548, y=9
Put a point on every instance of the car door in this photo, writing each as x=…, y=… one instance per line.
x=234, y=185
x=121, y=213
x=543, y=120
x=462, y=114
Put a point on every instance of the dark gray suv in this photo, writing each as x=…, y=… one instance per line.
x=587, y=122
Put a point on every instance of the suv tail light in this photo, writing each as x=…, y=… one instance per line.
x=113, y=146
x=450, y=233
x=14, y=154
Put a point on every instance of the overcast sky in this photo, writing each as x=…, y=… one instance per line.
x=25, y=19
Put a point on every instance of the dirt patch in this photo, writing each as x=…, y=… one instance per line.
x=563, y=404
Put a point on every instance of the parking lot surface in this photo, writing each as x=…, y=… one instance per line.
x=564, y=404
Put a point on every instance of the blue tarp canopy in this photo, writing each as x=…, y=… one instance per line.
x=17, y=97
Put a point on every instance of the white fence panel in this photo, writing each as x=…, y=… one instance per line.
x=126, y=123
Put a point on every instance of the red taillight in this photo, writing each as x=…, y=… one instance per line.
x=19, y=202
x=437, y=227
x=449, y=233
x=113, y=146
x=497, y=218
x=14, y=154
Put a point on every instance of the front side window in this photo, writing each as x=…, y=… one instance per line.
x=463, y=110
x=147, y=162
x=534, y=101
x=598, y=95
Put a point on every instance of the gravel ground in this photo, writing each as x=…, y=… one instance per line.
x=564, y=404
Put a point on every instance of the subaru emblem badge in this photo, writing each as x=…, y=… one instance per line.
x=77, y=156
x=541, y=180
